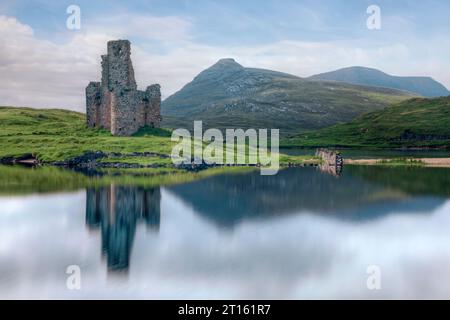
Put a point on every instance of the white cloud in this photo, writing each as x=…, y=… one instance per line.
x=303, y=255
x=41, y=73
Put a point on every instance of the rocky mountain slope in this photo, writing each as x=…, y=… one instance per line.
x=228, y=95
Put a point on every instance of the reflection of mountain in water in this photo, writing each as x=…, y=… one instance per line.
x=117, y=210
x=227, y=199
x=414, y=180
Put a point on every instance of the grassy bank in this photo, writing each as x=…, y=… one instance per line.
x=52, y=135
x=56, y=135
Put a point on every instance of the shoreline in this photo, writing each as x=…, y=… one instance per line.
x=93, y=160
x=425, y=162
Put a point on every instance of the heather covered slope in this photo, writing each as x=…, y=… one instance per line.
x=424, y=86
x=417, y=122
x=227, y=95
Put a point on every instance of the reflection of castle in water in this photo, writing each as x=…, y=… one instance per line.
x=116, y=210
x=330, y=169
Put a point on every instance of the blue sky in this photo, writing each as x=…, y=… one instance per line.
x=252, y=21
x=174, y=40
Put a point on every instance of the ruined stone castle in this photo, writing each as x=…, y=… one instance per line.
x=115, y=103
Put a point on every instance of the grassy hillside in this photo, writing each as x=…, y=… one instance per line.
x=417, y=122
x=227, y=95
x=423, y=86
x=56, y=135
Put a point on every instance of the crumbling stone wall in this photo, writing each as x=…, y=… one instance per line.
x=115, y=103
x=153, y=105
x=330, y=157
x=93, y=102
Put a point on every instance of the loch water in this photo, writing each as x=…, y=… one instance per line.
x=304, y=233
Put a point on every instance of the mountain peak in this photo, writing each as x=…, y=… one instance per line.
x=360, y=69
x=226, y=64
x=223, y=67
x=227, y=61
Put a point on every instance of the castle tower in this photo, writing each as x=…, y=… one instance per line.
x=115, y=103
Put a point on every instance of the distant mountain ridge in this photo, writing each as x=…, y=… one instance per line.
x=228, y=95
x=424, y=86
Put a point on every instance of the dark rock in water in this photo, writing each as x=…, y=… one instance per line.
x=88, y=159
x=27, y=159
x=119, y=165
x=194, y=165
x=147, y=154
x=124, y=165
x=7, y=160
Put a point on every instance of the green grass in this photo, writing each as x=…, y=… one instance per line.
x=416, y=122
x=55, y=135
x=18, y=180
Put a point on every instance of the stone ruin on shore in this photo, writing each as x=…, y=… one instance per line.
x=115, y=103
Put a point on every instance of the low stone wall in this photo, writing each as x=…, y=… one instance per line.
x=330, y=157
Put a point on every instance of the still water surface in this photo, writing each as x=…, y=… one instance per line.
x=300, y=234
